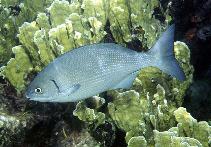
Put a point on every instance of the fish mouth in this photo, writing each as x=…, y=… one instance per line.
x=42, y=99
x=27, y=96
x=39, y=99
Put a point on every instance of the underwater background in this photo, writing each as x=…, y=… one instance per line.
x=158, y=110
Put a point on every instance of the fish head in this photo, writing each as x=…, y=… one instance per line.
x=42, y=88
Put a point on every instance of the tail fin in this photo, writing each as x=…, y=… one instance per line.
x=163, y=53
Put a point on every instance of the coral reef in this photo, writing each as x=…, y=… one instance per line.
x=37, y=32
x=64, y=135
x=149, y=105
x=51, y=35
x=12, y=128
x=130, y=21
x=90, y=115
x=188, y=132
x=13, y=14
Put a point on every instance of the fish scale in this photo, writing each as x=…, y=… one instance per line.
x=109, y=64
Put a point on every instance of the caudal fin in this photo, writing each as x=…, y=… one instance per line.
x=163, y=54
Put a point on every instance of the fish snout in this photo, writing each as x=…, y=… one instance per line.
x=27, y=94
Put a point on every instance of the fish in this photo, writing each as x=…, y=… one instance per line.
x=92, y=69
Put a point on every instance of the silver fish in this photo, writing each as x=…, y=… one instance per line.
x=92, y=69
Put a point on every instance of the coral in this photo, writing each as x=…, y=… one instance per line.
x=137, y=142
x=90, y=115
x=135, y=20
x=144, y=112
x=101, y=128
x=65, y=26
x=69, y=25
x=17, y=67
x=65, y=135
x=170, y=139
x=154, y=98
x=148, y=105
x=188, y=126
x=188, y=132
x=12, y=128
x=51, y=35
x=12, y=124
x=13, y=14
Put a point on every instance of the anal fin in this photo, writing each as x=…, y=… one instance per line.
x=127, y=82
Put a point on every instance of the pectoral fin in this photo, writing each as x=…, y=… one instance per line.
x=70, y=90
x=127, y=82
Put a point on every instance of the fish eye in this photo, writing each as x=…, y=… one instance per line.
x=38, y=90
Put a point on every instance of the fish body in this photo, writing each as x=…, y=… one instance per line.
x=92, y=69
